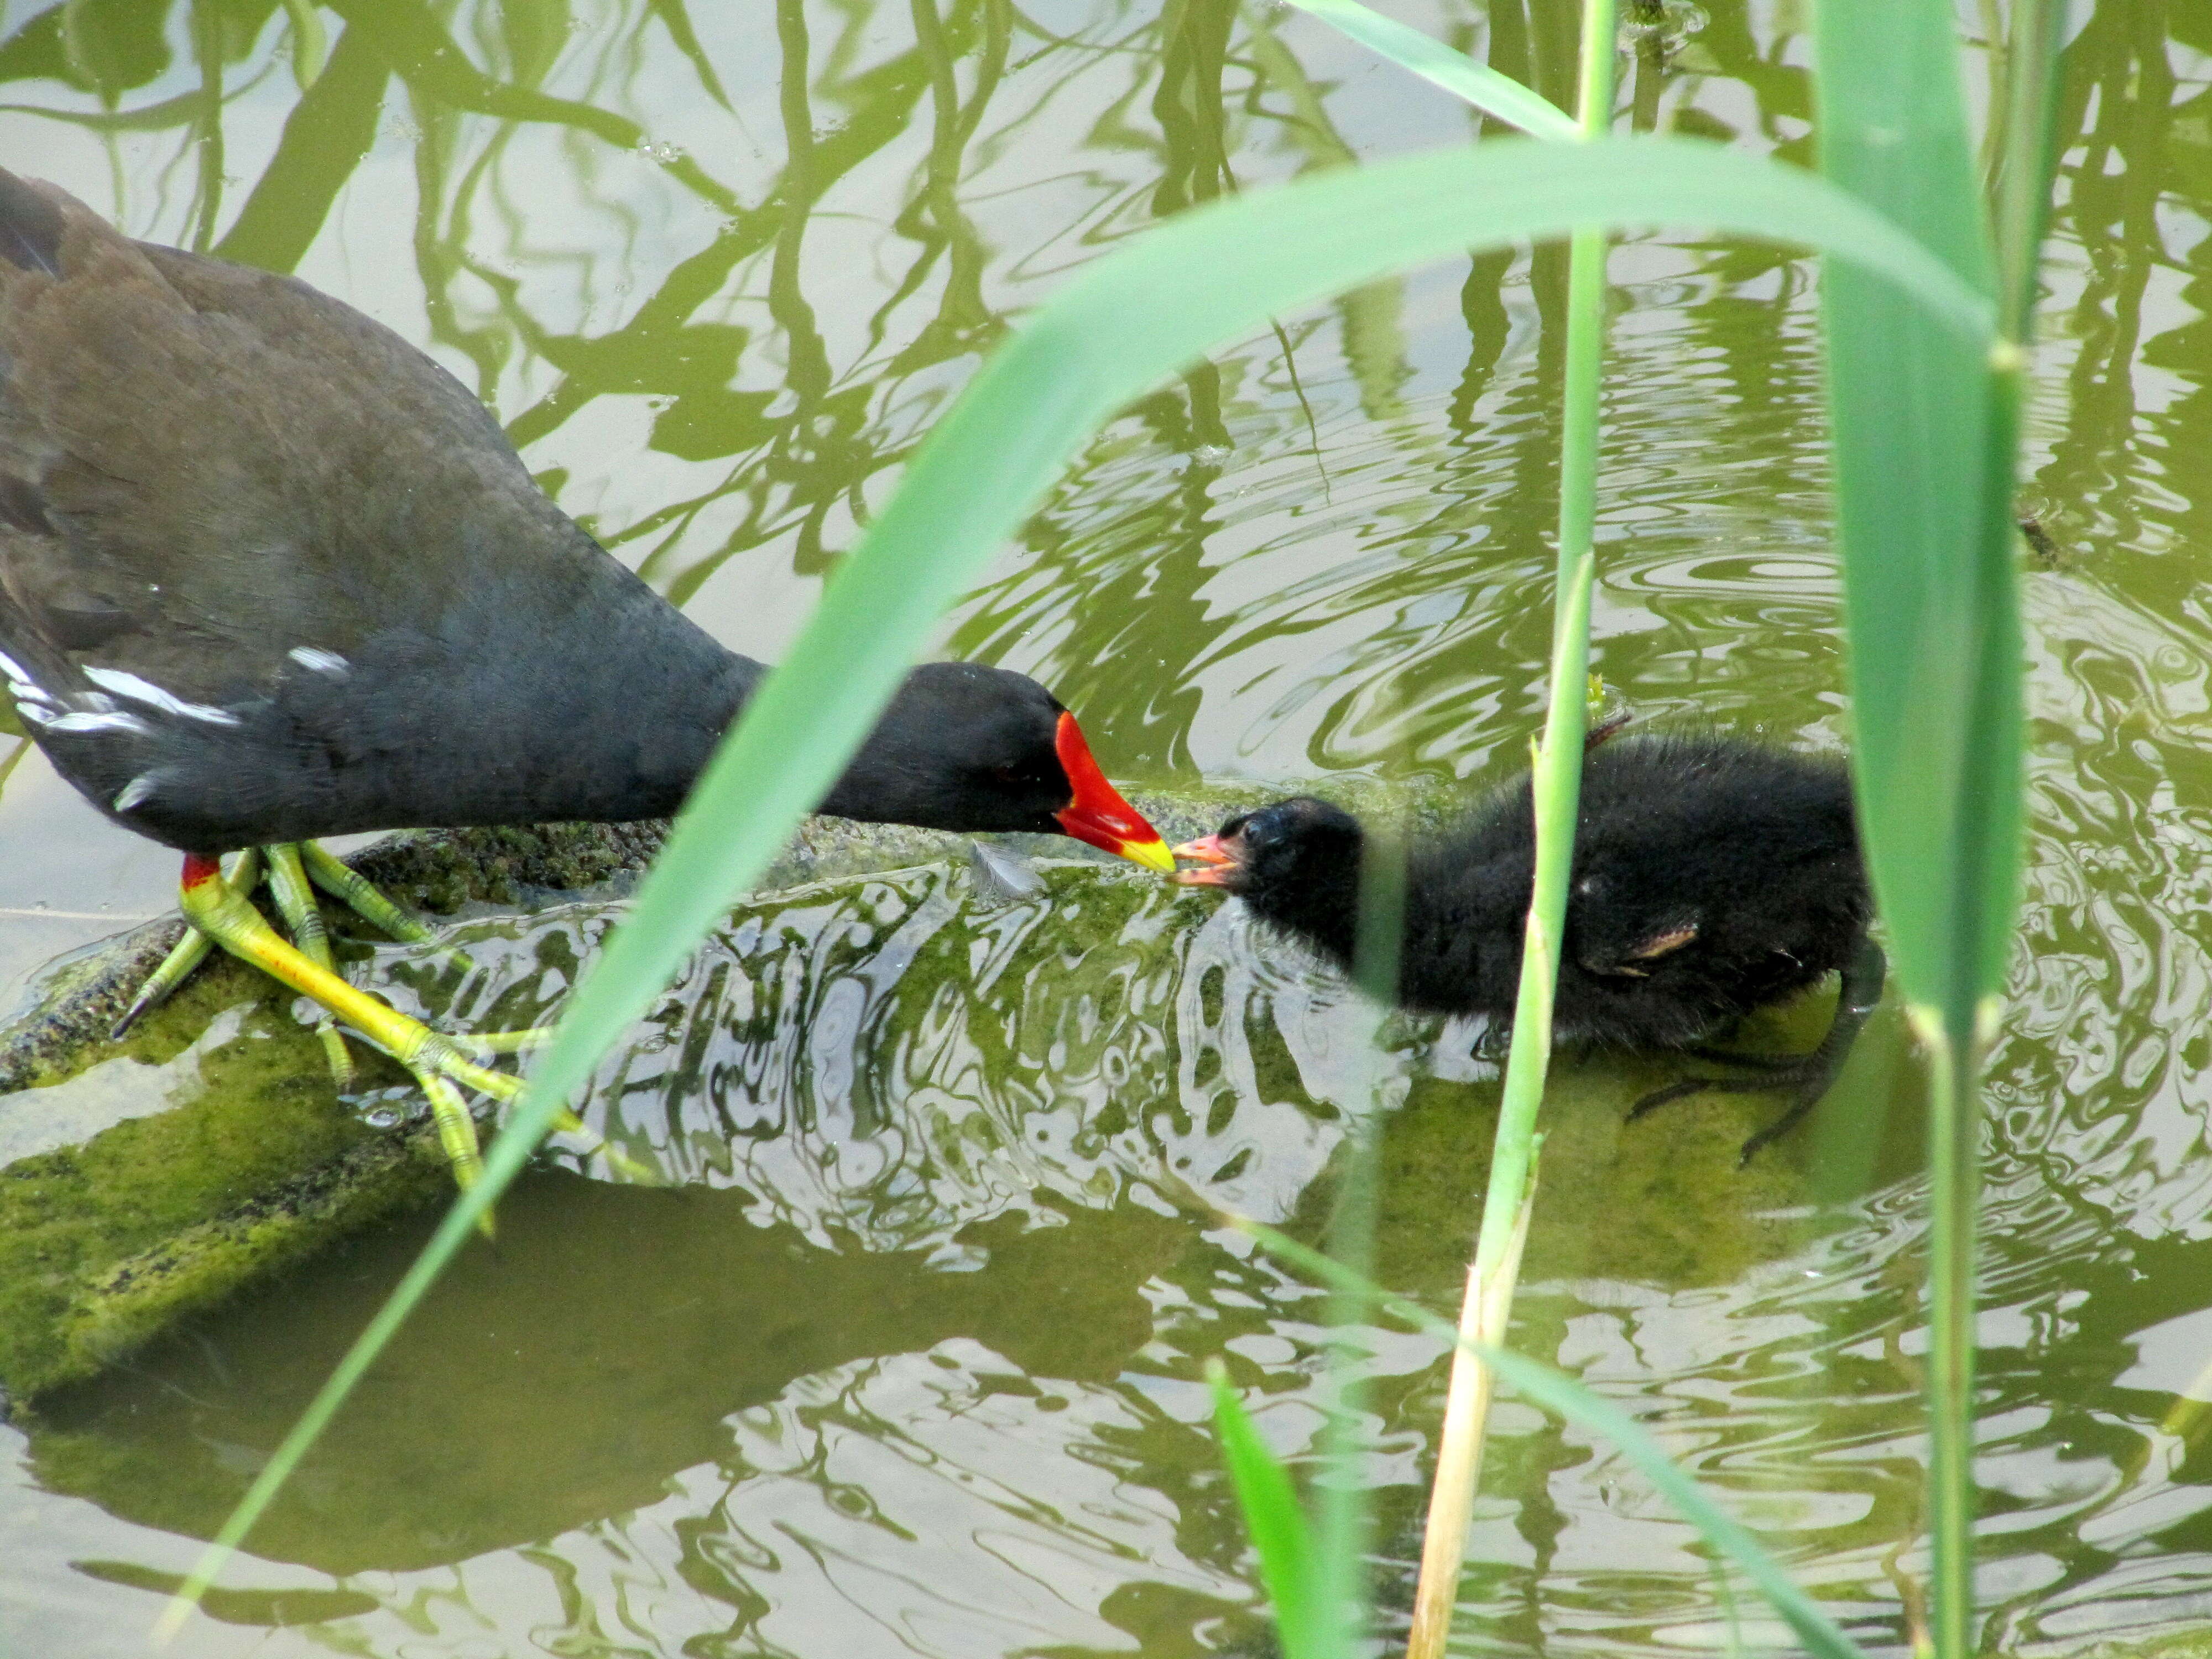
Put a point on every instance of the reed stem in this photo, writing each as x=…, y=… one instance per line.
x=1953, y=1137
x=1510, y=1198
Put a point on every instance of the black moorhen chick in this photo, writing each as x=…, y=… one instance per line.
x=268, y=572
x=1712, y=876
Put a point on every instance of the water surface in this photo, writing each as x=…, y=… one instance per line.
x=906, y=1358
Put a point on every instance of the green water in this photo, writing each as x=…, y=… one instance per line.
x=906, y=1356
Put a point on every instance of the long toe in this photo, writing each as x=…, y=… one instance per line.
x=1807, y=1079
x=484, y=1044
x=336, y=1054
x=1812, y=1082
x=623, y=1164
x=184, y=957
x=173, y=970
x=430, y=1051
x=1667, y=1096
x=360, y=894
x=1750, y=1062
x=457, y=1134
x=296, y=902
x=367, y=901
x=1796, y=1078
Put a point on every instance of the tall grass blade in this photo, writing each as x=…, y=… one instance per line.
x=1568, y=1399
x=1307, y=1619
x=1341, y=1526
x=1341, y=1507
x=1478, y=83
x=992, y=456
x=1926, y=434
x=2026, y=162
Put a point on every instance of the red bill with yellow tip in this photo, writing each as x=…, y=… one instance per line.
x=1097, y=814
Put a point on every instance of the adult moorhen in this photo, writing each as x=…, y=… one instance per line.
x=268, y=572
x=1711, y=876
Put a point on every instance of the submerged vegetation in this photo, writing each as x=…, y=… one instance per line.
x=1368, y=603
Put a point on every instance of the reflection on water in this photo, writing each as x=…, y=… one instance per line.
x=907, y=1357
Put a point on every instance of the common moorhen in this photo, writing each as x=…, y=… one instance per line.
x=1712, y=876
x=268, y=572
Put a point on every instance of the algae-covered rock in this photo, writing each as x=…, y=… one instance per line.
x=202, y=1174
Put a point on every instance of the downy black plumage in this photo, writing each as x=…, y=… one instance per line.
x=1712, y=876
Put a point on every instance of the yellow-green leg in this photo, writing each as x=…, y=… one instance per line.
x=362, y=896
x=221, y=912
x=296, y=902
x=440, y=1063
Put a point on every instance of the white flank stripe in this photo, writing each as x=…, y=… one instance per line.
x=83, y=722
x=322, y=661
x=145, y=692
x=20, y=685
x=136, y=793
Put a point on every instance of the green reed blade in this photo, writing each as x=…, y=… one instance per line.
x=1565, y=1397
x=1560, y=1394
x=1478, y=83
x=1926, y=434
x=1930, y=615
x=1306, y=1621
x=1341, y=1513
x=1128, y=319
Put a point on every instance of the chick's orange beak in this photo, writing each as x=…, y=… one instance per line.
x=1097, y=814
x=1214, y=855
